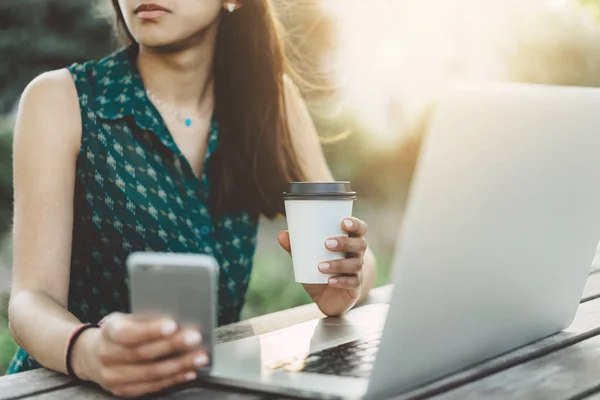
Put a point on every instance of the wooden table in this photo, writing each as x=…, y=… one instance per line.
x=562, y=366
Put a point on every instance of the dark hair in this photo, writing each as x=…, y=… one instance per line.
x=256, y=159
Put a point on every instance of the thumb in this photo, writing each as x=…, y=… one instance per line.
x=128, y=330
x=283, y=238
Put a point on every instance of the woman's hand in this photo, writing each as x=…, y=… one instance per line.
x=126, y=356
x=345, y=287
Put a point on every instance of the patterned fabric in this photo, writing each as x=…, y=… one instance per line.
x=135, y=191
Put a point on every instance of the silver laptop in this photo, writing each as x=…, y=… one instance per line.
x=498, y=238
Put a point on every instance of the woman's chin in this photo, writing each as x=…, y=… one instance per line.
x=162, y=44
x=155, y=37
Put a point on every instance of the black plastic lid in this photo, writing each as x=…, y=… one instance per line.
x=319, y=191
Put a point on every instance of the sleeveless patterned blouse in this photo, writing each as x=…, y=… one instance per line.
x=135, y=191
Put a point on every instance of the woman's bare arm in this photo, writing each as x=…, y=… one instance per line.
x=310, y=153
x=46, y=143
x=127, y=355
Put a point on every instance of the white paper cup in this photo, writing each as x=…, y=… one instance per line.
x=315, y=211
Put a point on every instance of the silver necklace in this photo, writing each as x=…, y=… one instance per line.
x=188, y=121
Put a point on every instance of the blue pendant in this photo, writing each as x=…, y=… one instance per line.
x=188, y=122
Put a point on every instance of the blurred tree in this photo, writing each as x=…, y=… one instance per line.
x=40, y=35
x=593, y=6
x=37, y=36
x=6, y=191
x=309, y=35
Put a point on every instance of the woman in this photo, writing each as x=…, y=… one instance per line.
x=176, y=143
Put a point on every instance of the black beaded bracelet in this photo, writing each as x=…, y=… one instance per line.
x=71, y=343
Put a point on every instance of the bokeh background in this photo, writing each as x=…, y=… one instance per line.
x=372, y=70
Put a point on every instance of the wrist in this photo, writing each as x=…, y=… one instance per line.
x=81, y=355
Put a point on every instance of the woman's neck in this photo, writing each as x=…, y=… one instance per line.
x=184, y=78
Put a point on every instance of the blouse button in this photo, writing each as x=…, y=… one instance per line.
x=204, y=230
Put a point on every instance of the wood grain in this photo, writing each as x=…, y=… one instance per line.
x=45, y=381
x=286, y=318
x=592, y=287
x=596, y=262
x=559, y=375
x=585, y=326
x=86, y=392
x=583, y=330
x=89, y=392
x=590, y=394
x=211, y=393
x=27, y=383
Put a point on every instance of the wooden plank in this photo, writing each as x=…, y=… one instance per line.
x=46, y=380
x=268, y=323
x=43, y=380
x=590, y=394
x=585, y=326
x=596, y=262
x=563, y=374
x=38, y=381
x=90, y=392
x=380, y=295
x=87, y=392
x=592, y=287
x=211, y=393
x=286, y=318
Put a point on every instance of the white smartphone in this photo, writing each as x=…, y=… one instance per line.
x=179, y=286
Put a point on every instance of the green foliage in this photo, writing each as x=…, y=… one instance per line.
x=37, y=36
x=593, y=6
x=6, y=192
x=272, y=286
x=7, y=349
x=3, y=310
x=7, y=344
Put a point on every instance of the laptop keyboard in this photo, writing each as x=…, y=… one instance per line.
x=352, y=359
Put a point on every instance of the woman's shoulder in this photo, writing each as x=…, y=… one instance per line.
x=58, y=79
x=53, y=90
x=48, y=113
x=63, y=96
x=70, y=82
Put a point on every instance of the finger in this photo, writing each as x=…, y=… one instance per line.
x=139, y=389
x=348, y=266
x=184, y=340
x=284, y=241
x=355, y=227
x=130, y=331
x=347, y=244
x=140, y=373
x=344, y=282
x=111, y=353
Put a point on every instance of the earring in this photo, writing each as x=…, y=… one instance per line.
x=231, y=5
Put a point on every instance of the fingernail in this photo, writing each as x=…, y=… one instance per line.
x=192, y=338
x=331, y=244
x=333, y=281
x=201, y=361
x=168, y=328
x=324, y=266
x=348, y=223
x=190, y=376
